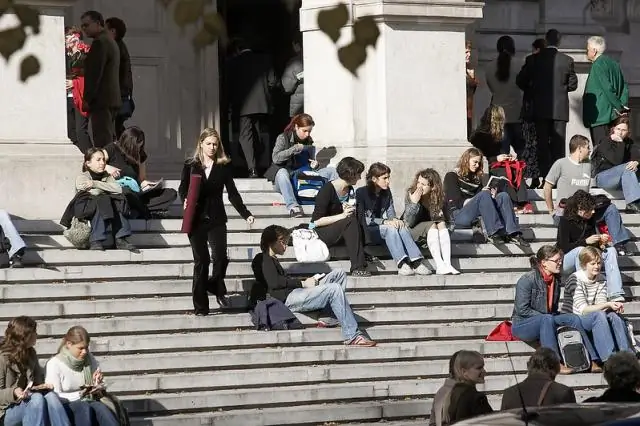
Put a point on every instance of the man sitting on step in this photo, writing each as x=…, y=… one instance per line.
x=572, y=173
x=10, y=240
x=312, y=294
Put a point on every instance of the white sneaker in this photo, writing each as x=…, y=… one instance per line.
x=422, y=269
x=405, y=270
x=444, y=270
x=453, y=270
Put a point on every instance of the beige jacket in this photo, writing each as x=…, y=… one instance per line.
x=107, y=184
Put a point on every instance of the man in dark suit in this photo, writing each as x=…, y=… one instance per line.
x=549, y=76
x=117, y=29
x=251, y=80
x=101, y=79
x=540, y=387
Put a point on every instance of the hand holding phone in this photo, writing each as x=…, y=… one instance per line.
x=318, y=277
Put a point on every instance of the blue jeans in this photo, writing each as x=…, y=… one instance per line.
x=282, y=184
x=543, y=327
x=17, y=243
x=571, y=264
x=610, y=216
x=38, y=410
x=601, y=324
x=100, y=228
x=330, y=291
x=90, y=413
x=617, y=177
x=399, y=242
x=497, y=214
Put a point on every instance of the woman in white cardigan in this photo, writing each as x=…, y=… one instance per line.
x=70, y=372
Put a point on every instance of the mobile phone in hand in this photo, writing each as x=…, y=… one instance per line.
x=318, y=277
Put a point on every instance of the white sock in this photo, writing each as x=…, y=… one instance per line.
x=445, y=245
x=433, y=242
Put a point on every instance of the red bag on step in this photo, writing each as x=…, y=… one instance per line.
x=502, y=333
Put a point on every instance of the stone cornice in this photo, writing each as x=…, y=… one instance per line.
x=47, y=3
x=442, y=12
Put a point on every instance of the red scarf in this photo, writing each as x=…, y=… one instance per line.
x=550, y=280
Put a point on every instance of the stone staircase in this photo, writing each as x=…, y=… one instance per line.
x=172, y=368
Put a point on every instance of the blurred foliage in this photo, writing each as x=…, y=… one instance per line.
x=13, y=39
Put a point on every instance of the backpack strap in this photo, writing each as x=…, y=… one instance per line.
x=543, y=392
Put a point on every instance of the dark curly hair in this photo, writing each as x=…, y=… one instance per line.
x=17, y=341
x=581, y=200
x=622, y=371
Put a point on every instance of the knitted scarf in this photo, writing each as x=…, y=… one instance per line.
x=77, y=365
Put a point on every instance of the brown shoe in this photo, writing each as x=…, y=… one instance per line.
x=566, y=370
x=595, y=368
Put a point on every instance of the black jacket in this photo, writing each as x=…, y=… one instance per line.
x=251, y=80
x=84, y=206
x=271, y=273
x=548, y=77
x=467, y=402
x=573, y=232
x=102, y=74
x=210, y=207
x=457, y=190
x=531, y=389
x=485, y=143
x=616, y=395
x=272, y=314
x=125, y=75
x=609, y=153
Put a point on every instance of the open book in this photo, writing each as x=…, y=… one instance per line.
x=154, y=185
x=496, y=182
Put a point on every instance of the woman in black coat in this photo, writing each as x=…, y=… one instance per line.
x=465, y=401
x=210, y=219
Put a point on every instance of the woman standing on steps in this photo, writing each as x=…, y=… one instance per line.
x=423, y=216
x=212, y=165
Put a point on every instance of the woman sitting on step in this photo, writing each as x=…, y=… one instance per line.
x=378, y=215
x=467, y=198
x=576, y=230
x=126, y=162
x=585, y=294
x=464, y=400
x=19, y=368
x=334, y=216
x=77, y=380
x=536, y=314
x=423, y=216
x=294, y=150
x=99, y=199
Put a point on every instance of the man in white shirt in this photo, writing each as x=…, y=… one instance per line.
x=572, y=173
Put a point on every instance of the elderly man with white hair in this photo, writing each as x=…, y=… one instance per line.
x=606, y=94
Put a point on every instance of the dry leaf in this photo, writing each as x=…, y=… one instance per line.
x=11, y=41
x=203, y=39
x=352, y=56
x=29, y=17
x=29, y=67
x=366, y=32
x=188, y=11
x=331, y=21
x=214, y=24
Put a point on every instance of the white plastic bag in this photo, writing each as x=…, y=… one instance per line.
x=308, y=247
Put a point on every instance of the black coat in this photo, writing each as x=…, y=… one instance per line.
x=467, y=402
x=573, y=232
x=272, y=314
x=125, y=75
x=251, y=80
x=609, y=153
x=548, y=77
x=102, y=74
x=84, y=206
x=531, y=389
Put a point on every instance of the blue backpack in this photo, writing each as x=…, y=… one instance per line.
x=306, y=184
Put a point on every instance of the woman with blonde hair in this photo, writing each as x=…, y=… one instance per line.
x=212, y=165
x=467, y=198
x=76, y=378
x=488, y=138
x=25, y=398
x=465, y=401
x=423, y=216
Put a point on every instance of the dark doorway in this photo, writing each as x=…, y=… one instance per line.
x=268, y=26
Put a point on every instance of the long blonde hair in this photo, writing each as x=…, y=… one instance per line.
x=463, y=163
x=492, y=122
x=220, y=156
x=434, y=200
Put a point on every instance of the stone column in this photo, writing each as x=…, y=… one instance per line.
x=407, y=106
x=38, y=163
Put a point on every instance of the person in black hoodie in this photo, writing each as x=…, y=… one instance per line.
x=314, y=293
x=577, y=229
x=488, y=138
x=622, y=373
x=464, y=400
x=466, y=199
x=210, y=219
x=615, y=163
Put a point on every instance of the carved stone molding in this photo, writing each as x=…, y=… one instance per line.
x=633, y=10
x=612, y=14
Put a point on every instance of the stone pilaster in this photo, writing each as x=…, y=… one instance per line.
x=407, y=107
x=38, y=163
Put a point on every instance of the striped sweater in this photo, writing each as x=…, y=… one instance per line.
x=580, y=292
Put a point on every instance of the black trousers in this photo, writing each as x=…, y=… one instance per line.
x=78, y=127
x=598, y=133
x=551, y=136
x=350, y=231
x=103, y=126
x=216, y=236
x=256, y=150
x=159, y=200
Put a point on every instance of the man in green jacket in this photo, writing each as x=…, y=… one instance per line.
x=606, y=94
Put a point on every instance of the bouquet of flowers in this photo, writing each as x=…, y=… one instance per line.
x=76, y=53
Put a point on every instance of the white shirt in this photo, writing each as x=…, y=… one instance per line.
x=66, y=382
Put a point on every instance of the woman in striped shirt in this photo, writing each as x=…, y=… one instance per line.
x=586, y=296
x=467, y=198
